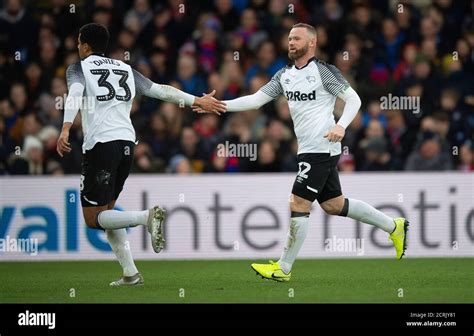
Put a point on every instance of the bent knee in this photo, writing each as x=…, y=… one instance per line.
x=331, y=209
x=92, y=223
x=299, y=204
x=91, y=220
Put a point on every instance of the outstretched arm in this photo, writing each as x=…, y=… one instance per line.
x=245, y=103
x=267, y=93
x=171, y=94
x=250, y=102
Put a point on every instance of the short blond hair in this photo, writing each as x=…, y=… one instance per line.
x=308, y=27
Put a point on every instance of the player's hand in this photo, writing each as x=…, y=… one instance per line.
x=207, y=103
x=336, y=133
x=197, y=109
x=63, y=146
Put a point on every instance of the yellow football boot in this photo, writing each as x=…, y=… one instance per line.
x=399, y=236
x=271, y=271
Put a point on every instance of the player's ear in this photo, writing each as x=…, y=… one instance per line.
x=86, y=47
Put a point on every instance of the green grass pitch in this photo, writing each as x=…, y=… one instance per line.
x=424, y=280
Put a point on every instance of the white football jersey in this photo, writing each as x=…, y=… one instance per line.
x=311, y=93
x=110, y=86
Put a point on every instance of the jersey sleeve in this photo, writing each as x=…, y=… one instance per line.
x=273, y=88
x=142, y=84
x=74, y=74
x=246, y=103
x=332, y=79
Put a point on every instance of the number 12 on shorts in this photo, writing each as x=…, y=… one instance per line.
x=304, y=167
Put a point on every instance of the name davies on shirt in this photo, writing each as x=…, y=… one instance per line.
x=101, y=61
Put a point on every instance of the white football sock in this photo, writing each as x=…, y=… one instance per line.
x=368, y=214
x=295, y=239
x=114, y=219
x=121, y=247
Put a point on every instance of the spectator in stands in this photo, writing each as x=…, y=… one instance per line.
x=405, y=66
x=407, y=21
x=390, y=43
x=232, y=76
x=283, y=112
x=144, y=161
x=374, y=111
x=346, y=163
x=159, y=140
x=31, y=161
x=428, y=156
x=174, y=118
x=236, y=47
x=466, y=157
x=354, y=133
x=377, y=156
x=191, y=148
x=374, y=129
x=207, y=129
x=34, y=80
x=180, y=165
x=54, y=168
x=266, y=62
x=208, y=48
x=279, y=135
x=267, y=160
x=188, y=77
x=48, y=137
x=19, y=99
x=226, y=14
x=250, y=31
x=18, y=29
x=31, y=125
x=6, y=146
x=222, y=163
x=139, y=16
x=402, y=138
x=459, y=130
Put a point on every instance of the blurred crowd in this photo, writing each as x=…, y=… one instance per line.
x=402, y=48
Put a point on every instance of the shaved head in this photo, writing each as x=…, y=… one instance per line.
x=309, y=28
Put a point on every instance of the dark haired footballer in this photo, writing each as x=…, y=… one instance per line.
x=109, y=140
x=311, y=87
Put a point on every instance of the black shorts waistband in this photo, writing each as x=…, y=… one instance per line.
x=317, y=155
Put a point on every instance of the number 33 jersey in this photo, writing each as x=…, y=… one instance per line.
x=109, y=88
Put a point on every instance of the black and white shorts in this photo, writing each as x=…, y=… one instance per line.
x=317, y=178
x=105, y=168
